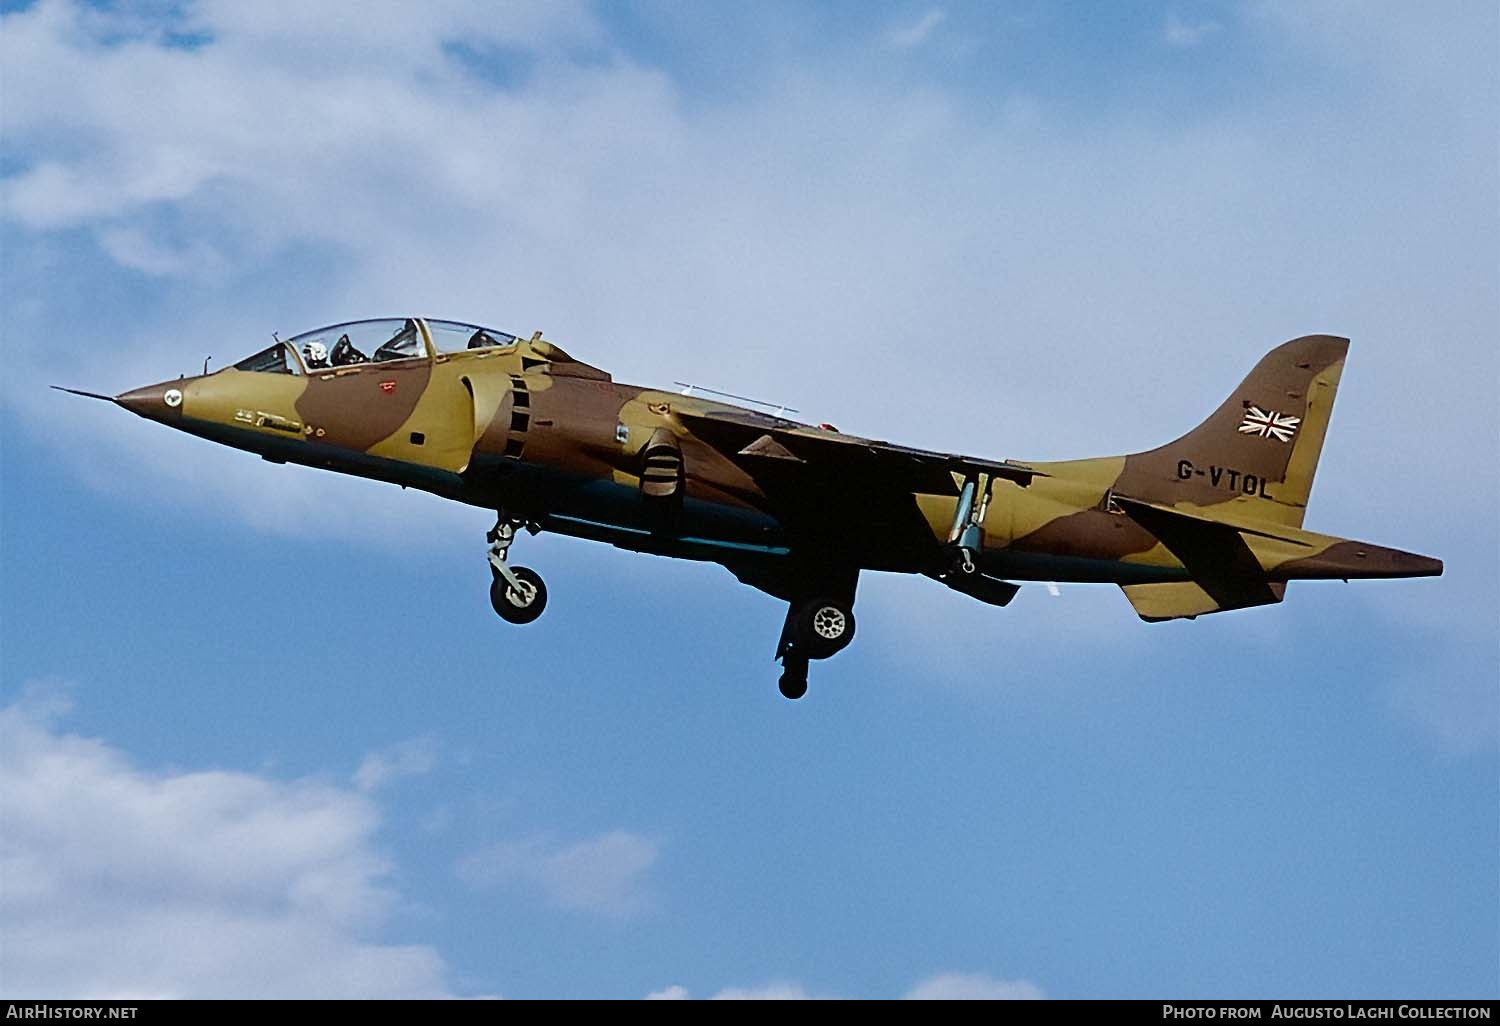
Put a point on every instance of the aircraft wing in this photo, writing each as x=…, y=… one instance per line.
x=752, y=440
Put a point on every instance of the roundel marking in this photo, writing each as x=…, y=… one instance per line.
x=172, y=397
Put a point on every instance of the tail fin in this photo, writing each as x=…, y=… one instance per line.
x=1259, y=449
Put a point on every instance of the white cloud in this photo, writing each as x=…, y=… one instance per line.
x=410, y=758
x=134, y=248
x=129, y=882
x=605, y=874
x=916, y=33
x=943, y=987
x=766, y=992
x=1186, y=34
x=769, y=992
x=121, y=881
x=973, y=987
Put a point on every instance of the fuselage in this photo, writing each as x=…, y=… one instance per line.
x=515, y=424
x=523, y=427
x=1207, y=523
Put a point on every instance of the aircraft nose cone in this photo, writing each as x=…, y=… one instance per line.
x=154, y=402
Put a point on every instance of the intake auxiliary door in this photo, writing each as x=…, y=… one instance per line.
x=661, y=468
x=495, y=398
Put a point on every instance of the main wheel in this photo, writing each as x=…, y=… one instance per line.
x=519, y=605
x=824, y=628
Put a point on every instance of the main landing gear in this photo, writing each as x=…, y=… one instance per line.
x=517, y=592
x=815, y=628
x=819, y=619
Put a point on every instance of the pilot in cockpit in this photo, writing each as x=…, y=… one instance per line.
x=344, y=353
x=315, y=355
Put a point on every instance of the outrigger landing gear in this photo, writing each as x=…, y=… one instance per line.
x=517, y=592
x=965, y=536
x=816, y=628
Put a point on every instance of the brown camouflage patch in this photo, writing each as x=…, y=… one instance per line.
x=359, y=406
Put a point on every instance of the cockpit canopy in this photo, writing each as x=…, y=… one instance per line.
x=451, y=336
x=379, y=341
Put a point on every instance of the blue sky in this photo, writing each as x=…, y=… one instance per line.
x=262, y=734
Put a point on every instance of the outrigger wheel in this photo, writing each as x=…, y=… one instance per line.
x=522, y=602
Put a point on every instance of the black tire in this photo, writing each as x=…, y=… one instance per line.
x=824, y=628
x=793, y=684
x=523, y=607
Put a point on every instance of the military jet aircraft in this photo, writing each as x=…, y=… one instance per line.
x=1210, y=522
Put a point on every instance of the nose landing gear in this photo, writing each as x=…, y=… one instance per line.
x=517, y=593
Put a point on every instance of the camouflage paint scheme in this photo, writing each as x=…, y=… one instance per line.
x=1209, y=522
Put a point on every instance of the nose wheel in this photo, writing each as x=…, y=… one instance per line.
x=521, y=602
x=517, y=593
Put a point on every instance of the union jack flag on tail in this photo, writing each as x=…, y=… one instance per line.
x=1275, y=425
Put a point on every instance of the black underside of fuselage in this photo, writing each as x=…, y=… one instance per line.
x=741, y=538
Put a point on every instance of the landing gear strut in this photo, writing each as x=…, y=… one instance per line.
x=793, y=677
x=517, y=592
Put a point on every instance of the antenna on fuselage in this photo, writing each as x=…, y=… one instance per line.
x=780, y=408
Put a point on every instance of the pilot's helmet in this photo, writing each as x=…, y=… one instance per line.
x=316, y=353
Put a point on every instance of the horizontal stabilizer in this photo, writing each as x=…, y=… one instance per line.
x=1217, y=543
x=1236, y=562
x=1187, y=599
x=1226, y=574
